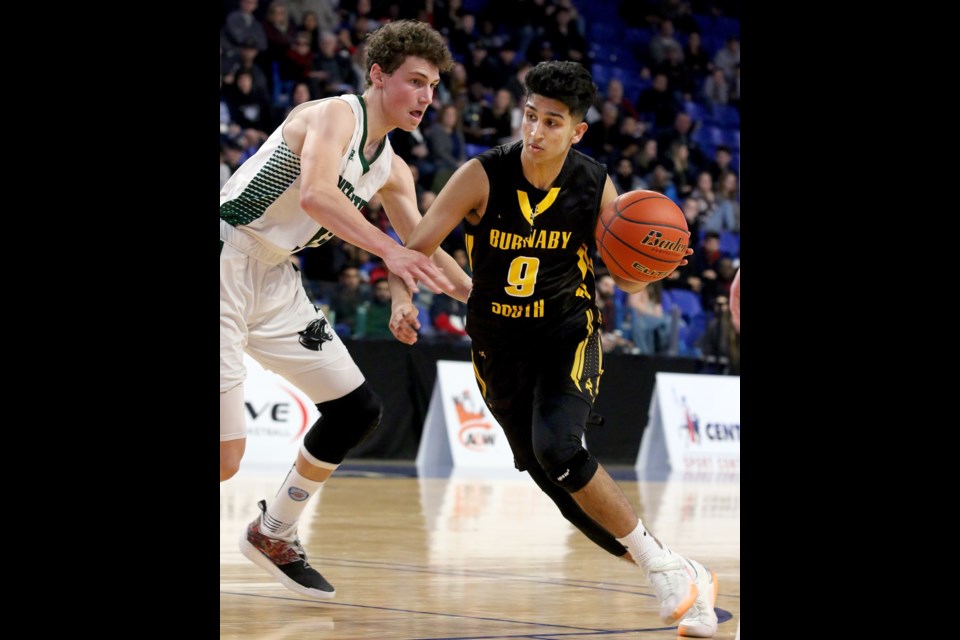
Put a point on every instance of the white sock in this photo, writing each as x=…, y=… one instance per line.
x=280, y=518
x=642, y=545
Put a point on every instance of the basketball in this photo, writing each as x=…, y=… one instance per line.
x=642, y=236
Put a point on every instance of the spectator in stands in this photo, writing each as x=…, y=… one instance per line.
x=241, y=27
x=624, y=179
x=299, y=95
x=691, y=211
x=249, y=108
x=714, y=288
x=717, y=214
x=447, y=145
x=696, y=59
x=281, y=32
x=728, y=194
x=659, y=103
x=412, y=147
x=728, y=57
x=678, y=163
x=245, y=60
x=631, y=136
x=661, y=181
x=320, y=12
x=706, y=260
x=448, y=316
x=646, y=158
x=567, y=42
x=716, y=90
x=296, y=65
x=611, y=338
x=720, y=343
x=678, y=81
x=505, y=118
x=720, y=164
x=348, y=297
x=378, y=311
x=663, y=41
x=649, y=327
x=602, y=137
x=333, y=71
x=616, y=96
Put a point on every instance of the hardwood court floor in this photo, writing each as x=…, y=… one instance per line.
x=468, y=557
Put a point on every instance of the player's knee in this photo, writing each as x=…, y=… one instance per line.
x=231, y=453
x=573, y=473
x=343, y=424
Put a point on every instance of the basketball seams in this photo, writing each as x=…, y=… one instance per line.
x=653, y=224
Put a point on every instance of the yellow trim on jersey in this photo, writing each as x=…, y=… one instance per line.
x=476, y=373
x=585, y=264
x=577, y=370
x=542, y=206
x=468, y=240
x=578, y=359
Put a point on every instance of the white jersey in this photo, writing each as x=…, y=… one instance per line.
x=260, y=210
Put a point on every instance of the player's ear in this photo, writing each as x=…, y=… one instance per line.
x=376, y=75
x=579, y=131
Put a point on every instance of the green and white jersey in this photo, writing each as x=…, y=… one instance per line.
x=260, y=203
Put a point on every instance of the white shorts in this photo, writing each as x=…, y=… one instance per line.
x=263, y=310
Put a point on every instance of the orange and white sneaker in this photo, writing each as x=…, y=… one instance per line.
x=675, y=581
x=700, y=620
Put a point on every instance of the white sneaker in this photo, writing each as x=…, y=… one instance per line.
x=700, y=620
x=675, y=582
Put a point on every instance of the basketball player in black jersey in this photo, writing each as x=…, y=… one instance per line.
x=530, y=209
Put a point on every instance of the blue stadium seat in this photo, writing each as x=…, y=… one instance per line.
x=688, y=301
x=426, y=326
x=475, y=149
x=730, y=243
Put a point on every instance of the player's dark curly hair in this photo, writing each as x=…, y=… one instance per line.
x=568, y=82
x=392, y=43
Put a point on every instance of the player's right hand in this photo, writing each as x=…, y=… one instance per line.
x=404, y=323
x=412, y=266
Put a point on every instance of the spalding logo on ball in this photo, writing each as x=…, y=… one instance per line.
x=642, y=236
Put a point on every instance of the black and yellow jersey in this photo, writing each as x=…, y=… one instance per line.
x=530, y=253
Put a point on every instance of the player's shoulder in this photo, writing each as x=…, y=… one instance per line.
x=579, y=158
x=500, y=152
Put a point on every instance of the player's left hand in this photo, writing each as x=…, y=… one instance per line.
x=404, y=323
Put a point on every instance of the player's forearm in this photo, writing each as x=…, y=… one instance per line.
x=452, y=270
x=399, y=293
x=330, y=209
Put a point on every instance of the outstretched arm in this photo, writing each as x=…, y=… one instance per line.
x=326, y=131
x=464, y=194
x=399, y=200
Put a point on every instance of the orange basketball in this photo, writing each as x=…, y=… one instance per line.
x=642, y=236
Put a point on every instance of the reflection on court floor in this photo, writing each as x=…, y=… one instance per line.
x=467, y=557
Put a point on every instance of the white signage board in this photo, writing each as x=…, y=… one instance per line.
x=694, y=425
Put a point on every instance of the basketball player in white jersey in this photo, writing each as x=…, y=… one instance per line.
x=306, y=184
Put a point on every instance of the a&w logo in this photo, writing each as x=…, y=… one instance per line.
x=475, y=431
